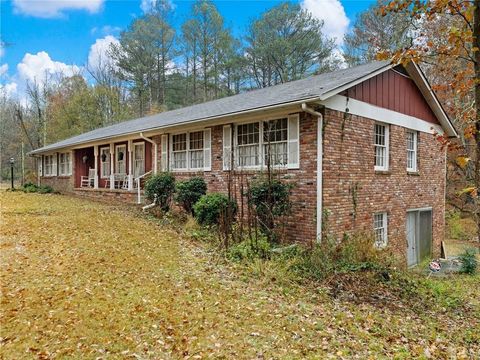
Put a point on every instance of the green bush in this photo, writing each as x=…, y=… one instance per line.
x=160, y=188
x=270, y=199
x=30, y=187
x=188, y=192
x=250, y=249
x=469, y=262
x=211, y=208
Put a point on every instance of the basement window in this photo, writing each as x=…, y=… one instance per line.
x=380, y=222
x=381, y=142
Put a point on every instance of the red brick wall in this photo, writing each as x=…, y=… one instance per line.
x=62, y=184
x=302, y=224
x=349, y=163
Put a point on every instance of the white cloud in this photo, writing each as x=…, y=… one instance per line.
x=98, y=54
x=147, y=5
x=54, y=8
x=9, y=89
x=3, y=69
x=39, y=66
x=333, y=14
x=106, y=30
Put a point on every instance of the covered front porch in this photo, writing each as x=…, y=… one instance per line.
x=115, y=167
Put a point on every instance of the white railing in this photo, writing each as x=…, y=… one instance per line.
x=137, y=184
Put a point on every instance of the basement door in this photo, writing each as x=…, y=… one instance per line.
x=419, y=236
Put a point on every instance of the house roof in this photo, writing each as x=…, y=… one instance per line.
x=317, y=87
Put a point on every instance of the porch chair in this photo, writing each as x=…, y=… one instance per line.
x=88, y=181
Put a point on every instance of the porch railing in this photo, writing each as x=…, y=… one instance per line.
x=137, y=181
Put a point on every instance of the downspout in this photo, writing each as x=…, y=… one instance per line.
x=155, y=150
x=319, y=116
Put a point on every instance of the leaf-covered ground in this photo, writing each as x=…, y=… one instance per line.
x=81, y=279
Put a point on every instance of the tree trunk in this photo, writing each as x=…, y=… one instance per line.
x=476, y=44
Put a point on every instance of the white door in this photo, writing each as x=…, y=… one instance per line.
x=412, y=253
x=138, y=159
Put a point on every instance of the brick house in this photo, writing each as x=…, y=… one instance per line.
x=369, y=131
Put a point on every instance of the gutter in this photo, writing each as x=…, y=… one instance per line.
x=155, y=149
x=319, y=167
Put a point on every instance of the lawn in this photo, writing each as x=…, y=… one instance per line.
x=81, y=279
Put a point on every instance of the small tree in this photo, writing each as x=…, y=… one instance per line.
x=160, y=188
x=188, y=192
x=271, y=199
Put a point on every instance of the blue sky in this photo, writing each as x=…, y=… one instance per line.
x=60, y=34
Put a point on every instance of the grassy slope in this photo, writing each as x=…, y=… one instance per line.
x=83, y=279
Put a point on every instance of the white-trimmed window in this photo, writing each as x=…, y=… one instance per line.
x=120, y=159
x=195, y=150
x=381, y=142
x=138, y=159
x=179, y=151
x=275, y=142
x=50, y=167
x=105, y=162
x=259, y=143
x=65, y=164
x=191, y=151
x=412, y=144
x=380, y=223
x=248, y=142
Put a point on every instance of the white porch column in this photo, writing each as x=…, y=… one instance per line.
x=95, y=156
x=155, y=158
x=130, y=164
x=112, y=165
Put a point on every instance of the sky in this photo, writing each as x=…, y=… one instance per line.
x=39, y=36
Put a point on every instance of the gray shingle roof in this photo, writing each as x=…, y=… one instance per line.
x=304, y=89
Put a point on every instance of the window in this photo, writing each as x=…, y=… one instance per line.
x=49, y=166
x=65, y=164
x=138, y=159
x=412, y=138
x=275, y=137
x=381, y=147
x=380, y=229
x=188, y=151
x=179, y=151
x=261, y=143
x=120, y=157
x=196, y=149
x=105, y=162
x=248, y=141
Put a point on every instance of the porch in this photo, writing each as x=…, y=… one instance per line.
x=115, y=168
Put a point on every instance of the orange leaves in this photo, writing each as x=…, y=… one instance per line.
x=462, y=161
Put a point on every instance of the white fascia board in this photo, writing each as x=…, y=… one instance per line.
x=360, y=108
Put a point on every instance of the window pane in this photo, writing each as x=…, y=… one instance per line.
x=196, y=159
x=196, y=140
x=180, y=160
x=179, y=142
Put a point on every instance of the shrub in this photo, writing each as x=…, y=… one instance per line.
x=160, y=188
x=188, y=192
x=250, y=249
x=469, y=262
x=271, y=199
x=30, y=187
x=211, y=208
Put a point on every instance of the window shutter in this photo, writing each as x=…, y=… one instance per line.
x=70, y=167
x=227, y=146
x=54, y=165
x=293, y=142
x=207, y=149
x=165, y=152
x=40, y=166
